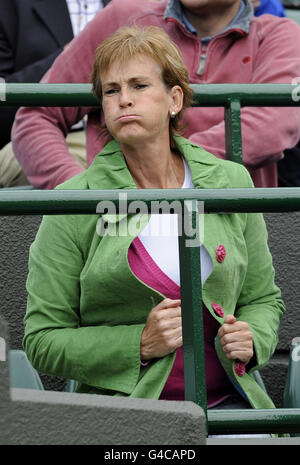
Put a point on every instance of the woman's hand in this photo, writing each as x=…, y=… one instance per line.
x=236, y=339
x=163, y=331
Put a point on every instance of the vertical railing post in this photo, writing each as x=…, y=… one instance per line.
x=233, y=131
x=191, y=304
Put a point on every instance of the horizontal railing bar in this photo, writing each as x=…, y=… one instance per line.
x=49, y=95
x=34, y=202
x=269, y=95
x=214, y=95
x=253, y=421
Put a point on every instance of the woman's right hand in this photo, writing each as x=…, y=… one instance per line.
x=162, y=334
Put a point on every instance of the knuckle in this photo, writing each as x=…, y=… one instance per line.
x=170, y=345
x=161, y=326
x=226, y=348
x=226, y=339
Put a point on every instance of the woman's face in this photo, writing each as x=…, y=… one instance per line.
x=136, y=103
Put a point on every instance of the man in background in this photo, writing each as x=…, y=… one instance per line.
x=32, y=35
x=221, y=42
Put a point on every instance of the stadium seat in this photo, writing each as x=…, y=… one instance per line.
x=257, y=376
x=70, y=385
x=22, y=373
x=292, y=385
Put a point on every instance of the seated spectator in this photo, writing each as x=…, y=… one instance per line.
x=271, y=7
x=104, y=303
x=32, y=35
x=221, y=42
x=289, y=166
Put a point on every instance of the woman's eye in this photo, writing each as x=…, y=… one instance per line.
x=140, y=86
x=110, y=91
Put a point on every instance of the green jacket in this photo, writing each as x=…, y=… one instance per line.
x=86, y=309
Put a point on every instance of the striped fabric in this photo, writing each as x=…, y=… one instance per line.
x=81, y=12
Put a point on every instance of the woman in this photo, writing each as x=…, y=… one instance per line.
x=105, y=310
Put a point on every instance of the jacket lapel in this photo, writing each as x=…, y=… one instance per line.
x=109, y=170
x=207, y=173
x=49, y=12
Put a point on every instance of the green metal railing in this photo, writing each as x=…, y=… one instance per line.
x=232, y=98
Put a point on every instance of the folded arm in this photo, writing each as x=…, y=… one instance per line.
x=266, y=131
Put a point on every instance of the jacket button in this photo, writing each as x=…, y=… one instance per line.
x=240, y=368
x=220, y=253
x=218, y=309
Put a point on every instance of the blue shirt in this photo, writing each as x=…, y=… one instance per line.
x=272, y=7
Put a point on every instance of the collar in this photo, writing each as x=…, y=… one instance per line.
x=109, y=169
x=241, y=22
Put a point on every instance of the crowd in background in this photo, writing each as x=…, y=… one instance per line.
x=27, y=57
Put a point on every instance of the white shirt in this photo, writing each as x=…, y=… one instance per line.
x=81, y=12
x=160, y=239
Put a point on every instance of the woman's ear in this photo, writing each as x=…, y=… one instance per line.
x=176, y=94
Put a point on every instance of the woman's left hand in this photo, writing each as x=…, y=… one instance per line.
x=236, y=339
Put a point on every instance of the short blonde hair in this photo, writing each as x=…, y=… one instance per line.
x=153, y=42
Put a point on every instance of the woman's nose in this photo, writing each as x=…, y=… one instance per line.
x=125, y=99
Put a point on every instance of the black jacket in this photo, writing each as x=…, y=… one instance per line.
x=32, y=34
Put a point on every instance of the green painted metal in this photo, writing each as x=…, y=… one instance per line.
x=191, y=295
x=230, y=96
x=49, y=95
x=249, y=95
x=233, y=132
x=60, y=202
x=253, y=421
x=215, y=95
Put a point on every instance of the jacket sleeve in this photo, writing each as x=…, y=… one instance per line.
x=106, y=357
x=266, y=131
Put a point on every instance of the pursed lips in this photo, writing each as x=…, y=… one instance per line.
x=127, y=117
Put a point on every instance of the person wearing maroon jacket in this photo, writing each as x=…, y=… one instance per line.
x=221, y=42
